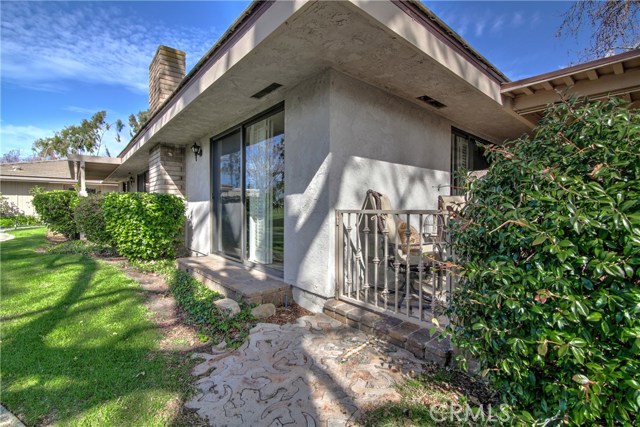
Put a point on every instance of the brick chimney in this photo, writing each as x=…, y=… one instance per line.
x=166, y=71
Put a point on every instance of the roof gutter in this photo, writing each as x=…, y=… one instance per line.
x=447, y=35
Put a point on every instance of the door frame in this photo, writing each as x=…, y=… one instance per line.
x=214, y=218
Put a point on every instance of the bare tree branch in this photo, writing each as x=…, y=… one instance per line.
x=614, y=26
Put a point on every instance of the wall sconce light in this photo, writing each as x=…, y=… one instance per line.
x=131, y=179
x=197, y=150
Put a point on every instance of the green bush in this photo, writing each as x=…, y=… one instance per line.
x=548, y=300
x=56, y=209
x=90, y=219
x=19, y=221
x=144, y=225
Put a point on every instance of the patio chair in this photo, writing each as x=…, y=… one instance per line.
x=403, y=254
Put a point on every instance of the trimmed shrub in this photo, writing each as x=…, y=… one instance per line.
x=144, y=225
x=548, y=300
x=56, y=209
x=90, y=219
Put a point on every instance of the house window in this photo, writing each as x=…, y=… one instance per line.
x=143, y=182
x=467, y=155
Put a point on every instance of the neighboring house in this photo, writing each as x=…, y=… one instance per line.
x=17, y=179
x=301, y=107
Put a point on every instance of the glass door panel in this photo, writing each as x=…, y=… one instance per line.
x=228, y=162
x=264, y=180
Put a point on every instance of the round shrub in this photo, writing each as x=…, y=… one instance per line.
x=548, y=301
x=144, y=225
x=56, y=209
x=90, y=219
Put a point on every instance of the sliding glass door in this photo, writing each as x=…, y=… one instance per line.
x=228, y=194
x=264, y=177
x=249, y=197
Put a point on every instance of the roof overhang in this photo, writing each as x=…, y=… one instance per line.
x=96, y=168
x=391, y=45
x=44, y=180
x=617, y=75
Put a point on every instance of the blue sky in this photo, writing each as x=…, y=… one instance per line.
x=63, y=61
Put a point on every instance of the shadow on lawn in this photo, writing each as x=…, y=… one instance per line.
x=55, y=369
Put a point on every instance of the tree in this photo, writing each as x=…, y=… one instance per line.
x=548, y=295
x=12, y=156
x=87, y=137
x=615, y=25
x=137, y=121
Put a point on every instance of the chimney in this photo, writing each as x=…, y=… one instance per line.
x=166, y=71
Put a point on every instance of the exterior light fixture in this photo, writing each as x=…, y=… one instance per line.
x=197, y=150
x=131, y=179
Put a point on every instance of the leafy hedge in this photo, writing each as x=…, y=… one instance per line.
x=549, y=298
x=144, y=225
x=56, y=209
x=90, y=220
x=19, y=221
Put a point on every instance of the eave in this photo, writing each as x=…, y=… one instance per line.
x=617, y=75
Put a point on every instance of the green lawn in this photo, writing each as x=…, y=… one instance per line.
x=77, y=345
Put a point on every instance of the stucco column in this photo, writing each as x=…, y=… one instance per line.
x=82, y=192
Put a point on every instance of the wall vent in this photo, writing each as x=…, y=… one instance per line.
x=266, y=91
x=429, y=100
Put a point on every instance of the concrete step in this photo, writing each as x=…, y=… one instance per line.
x=236, y=281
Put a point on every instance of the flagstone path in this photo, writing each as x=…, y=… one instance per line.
x=315, y=372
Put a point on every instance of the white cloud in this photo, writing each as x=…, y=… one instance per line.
x=14, y=137
x=497, y=24
x=535, y=19
x=82, y=110
x=47, y=44
x=463, y=25
x=517, y=20
x=480, y=27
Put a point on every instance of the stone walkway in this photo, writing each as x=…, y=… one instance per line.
x=5, y=236
x=315, y=372
x=7, y=419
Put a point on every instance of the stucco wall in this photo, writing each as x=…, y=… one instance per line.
x=382, y=142
x=307, y=222
x=343, y=138
x=198, y=196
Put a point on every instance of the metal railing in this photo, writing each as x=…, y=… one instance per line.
x=399, y=262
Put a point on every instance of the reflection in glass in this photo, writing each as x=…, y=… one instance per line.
x=264, y=180
x=230, y=195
